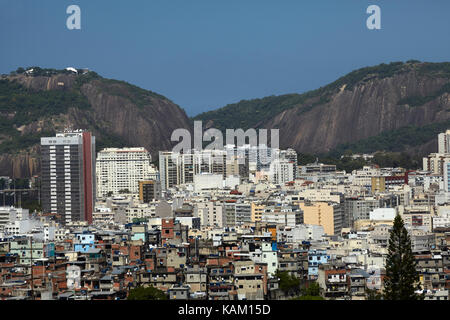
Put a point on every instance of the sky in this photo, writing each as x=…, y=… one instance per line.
x=205, y=54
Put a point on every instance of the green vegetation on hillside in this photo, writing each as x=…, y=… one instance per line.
x=251, y=113
x=382, y=159
x=26, y=105
x=138, y=96
x=420, y=101
x=395, y=140
x=18, y=142
x=20, y=106
x=390, y=149
x=436, y=69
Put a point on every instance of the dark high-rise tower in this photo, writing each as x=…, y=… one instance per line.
x=68, y=175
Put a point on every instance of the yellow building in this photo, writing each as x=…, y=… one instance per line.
x=378, y=184
x=256, y=211
x=319, y=213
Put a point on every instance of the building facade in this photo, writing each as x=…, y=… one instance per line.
x=122, y=169
x=68, y=175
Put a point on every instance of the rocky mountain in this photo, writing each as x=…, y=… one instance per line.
x=45, y=101
x=392, y=107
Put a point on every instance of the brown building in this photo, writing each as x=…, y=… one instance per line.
x=149, y=190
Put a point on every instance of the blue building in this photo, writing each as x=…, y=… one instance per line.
x=84, y=242
x=316, y=258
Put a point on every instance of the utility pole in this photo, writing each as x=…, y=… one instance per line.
x=31, y=267
x=14, y=192
x=207, y=282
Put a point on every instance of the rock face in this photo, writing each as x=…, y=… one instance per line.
x=19, y=165
x=369, y=109
x=119, y=114
x=362, y=104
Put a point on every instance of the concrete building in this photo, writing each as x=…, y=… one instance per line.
x=120, y=169
x=282, y=215
x=149, y=190
x=68, y=175
x=300, y=233
x=446, y=174
x=207, y=181
x=243, y=213
x=11, y=214
x=444, y=142
x=327, y=215
x=282, y=171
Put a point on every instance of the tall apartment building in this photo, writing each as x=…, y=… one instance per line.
x=291, y=156
x=169, y=169
x=122, y=169
x=211, y=213
x=68, y=175
x=434, y=162
x=446, y=173
x=444, y=142
x=177, y=168
x=243, y=213
x=230, y=213
x=282, y=171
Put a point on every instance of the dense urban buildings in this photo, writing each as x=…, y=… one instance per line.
x=208, y=226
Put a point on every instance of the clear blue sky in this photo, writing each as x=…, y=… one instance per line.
x=204, y=54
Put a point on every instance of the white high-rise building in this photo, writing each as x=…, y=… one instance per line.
x=282, y=171
x=444, y=142
x=177, y=168
x=122, y=169
x=435, y=161
x=446, y=173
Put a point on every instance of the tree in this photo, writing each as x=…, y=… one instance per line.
x=288, y=283
x=32, y=205
x=312, y=292
x=3, y=184
x=373, y=294
x=146, y=293
x=402, y=278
